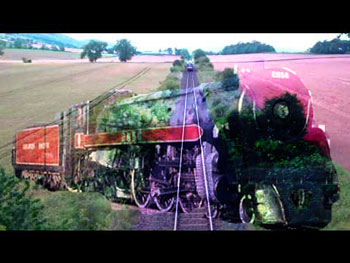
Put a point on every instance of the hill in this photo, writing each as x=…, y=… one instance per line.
x=52, y=38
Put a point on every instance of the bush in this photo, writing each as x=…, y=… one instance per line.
x=178, y=63
x=176, y=69
x=172, y=82
x=202, y=60
x=18, y=210
x=204, y=67
x=227, y=73
x=77, y=211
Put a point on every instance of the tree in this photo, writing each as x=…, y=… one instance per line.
x=124, y=50
x=61, y=47
x=2, y=46
x=250, y=47
x=44, y=47
x=198, y=53
x=170, y=51
x=93, y=50
x=335, y=46
x=183, y=53
x=347, y=34
x=18, y=43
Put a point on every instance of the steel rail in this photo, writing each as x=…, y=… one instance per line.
x=180, y=165
x=203, y=163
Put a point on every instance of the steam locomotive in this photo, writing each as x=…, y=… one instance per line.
x=265, y=161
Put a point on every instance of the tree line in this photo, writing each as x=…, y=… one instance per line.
x=334, y=46
x=246, y=48
x=123, y=49
x=21, y=43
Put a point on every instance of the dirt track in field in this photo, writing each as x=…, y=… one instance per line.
x=328, y=78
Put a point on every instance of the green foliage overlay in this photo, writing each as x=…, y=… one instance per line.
x=18, y=211
x=135, y=116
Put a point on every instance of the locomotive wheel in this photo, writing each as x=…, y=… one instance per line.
x=164, y=202
x=214, y=210
x=246, y=210
x=138, y=184
x=189, y=202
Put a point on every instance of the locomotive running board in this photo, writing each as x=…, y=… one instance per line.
x=152, y=135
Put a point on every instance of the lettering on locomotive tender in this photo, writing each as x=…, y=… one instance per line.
x=280, y=75
x=28, y=146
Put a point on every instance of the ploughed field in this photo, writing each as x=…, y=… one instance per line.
x=34, y=93
x=328, y=78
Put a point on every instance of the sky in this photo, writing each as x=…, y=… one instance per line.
x=282, y=42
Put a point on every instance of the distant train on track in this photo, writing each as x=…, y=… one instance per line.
x=264, y=158
x=189, y=66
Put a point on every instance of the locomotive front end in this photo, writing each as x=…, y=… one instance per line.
x=287, y=175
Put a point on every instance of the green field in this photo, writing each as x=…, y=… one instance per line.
x=34, y=93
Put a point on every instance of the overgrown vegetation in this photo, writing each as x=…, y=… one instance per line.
x=178, y=65
x=18, y=210
x=171, y=82
x=246, y=48
x=27, y=206
x=340, y=210
x=77, y=211
x=135, y=116
x=227, y=73
x=206, y=72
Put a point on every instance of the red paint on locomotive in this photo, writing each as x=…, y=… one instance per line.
x=38, y=146
x=153, y=135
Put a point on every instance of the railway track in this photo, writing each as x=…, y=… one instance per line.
x=200, y=218
x=184, y=216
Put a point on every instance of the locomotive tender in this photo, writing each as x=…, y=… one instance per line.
x=265, y=159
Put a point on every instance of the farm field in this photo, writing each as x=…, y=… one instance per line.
x=34, y=93
x=17, y=54
x=328, y=78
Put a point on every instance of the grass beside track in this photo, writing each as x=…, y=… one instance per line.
x=341, y=209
